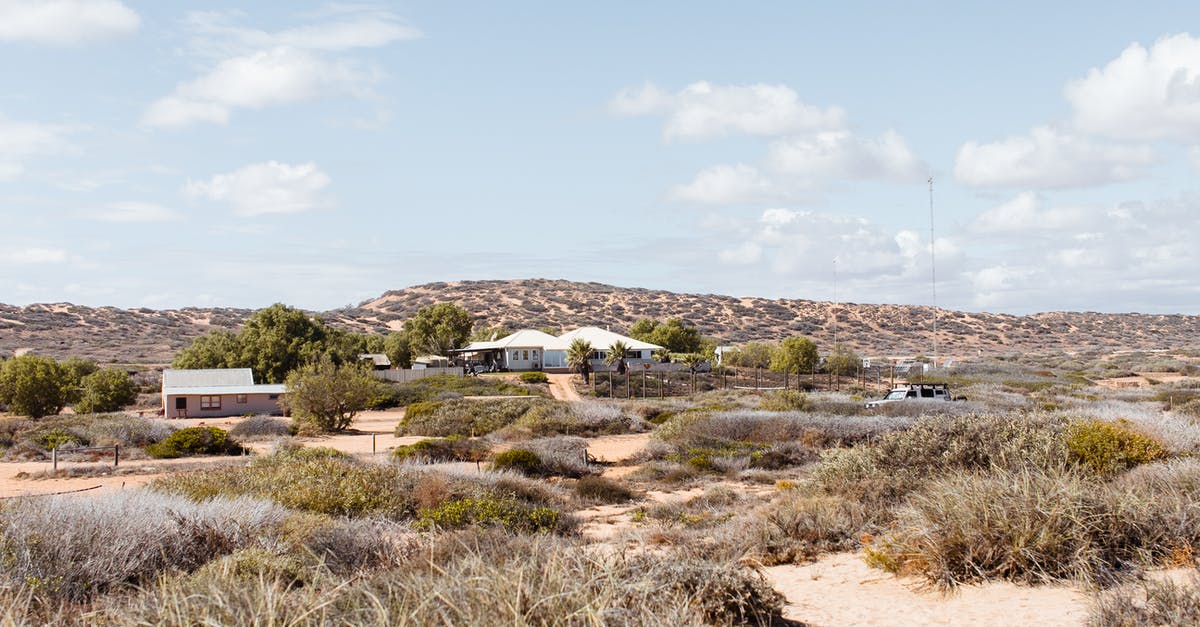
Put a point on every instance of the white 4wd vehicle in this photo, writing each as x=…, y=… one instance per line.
x=914, y=391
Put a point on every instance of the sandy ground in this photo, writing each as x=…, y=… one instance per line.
x=841, y=589
x=562, y=388
x=1143, y=380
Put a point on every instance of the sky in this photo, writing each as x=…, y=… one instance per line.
x=162, y=154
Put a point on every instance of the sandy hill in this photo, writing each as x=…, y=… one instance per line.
x=152, y=336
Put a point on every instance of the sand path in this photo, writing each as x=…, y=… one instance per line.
x=840, y=589
x=562, y=389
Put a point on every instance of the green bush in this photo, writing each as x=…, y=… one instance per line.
x=440, y=386
x=534, y=377
x=465, y=417
x=511, y=514
x=522, y=461
x=1108, y=448
x=106, y=390
x=195, y=441
x=452, y=449
x=55, y=438
x=784, y=400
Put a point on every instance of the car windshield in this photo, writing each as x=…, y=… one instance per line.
x=894, y=395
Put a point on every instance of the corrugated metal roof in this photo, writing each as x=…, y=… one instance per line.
x=601, y=339
x=207, y=377
x=378, y=359
x=525, y=338
x=265, y=388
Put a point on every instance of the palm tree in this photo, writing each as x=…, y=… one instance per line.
x=616, y=359
x=616, y=356
x=693, y=360
x=579, y=356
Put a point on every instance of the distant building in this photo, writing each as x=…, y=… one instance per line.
x=217, y=392
x=530, y=349
x=379, y=361
x=430, y=361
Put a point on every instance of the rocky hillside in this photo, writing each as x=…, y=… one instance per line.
x=152, y=336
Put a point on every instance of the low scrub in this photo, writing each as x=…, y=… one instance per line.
x=534, y=377
x=195, y=441
x=476, y=578
x=1036, y=526
x=901, y=462
x=261, y=427
x=563, y=456
x=1148, y=603
x=464, y=417
x=452, y=449
x=338, y=486
x=440, y=387
x=520, y=460
x=1108, y=448
x=73, y=548
x=601, y=490
x=799, y=527
x=510, y=514
x=86, y=430
x=577, y=419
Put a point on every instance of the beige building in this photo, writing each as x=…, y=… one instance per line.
x=217, y=392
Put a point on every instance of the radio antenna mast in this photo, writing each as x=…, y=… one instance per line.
x=933, y=274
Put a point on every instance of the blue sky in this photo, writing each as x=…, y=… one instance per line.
x=160, y=155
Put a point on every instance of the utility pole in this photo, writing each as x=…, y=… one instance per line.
x=933, y=274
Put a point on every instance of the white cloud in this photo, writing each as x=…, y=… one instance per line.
x=262, y=79
x=133, y=212
x=1026, y=213
x=703, y=111
x=1142, y=94
x=20, y=141
x=841, y=155
x=745, y=254
x=33, y=255
x=1048, y=158
x=352, y=27
x=65, y=22
x=726, y=185
x=266, y=188
x=788, y=242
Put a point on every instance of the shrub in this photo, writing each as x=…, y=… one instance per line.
x=581, y=419
x=328, y=395
x=1034, y=526
x=465, y=417
x=1148, y=603
x=97, y=430
x=799, y=527
x=430, y=388
x=901, y=462
x=783, y=400
x=534, y=377
x=311, y=481
x=1108, y=448
x=67, y=547
x=260, y=427
x=511, y=514
x=106, y=390
x=452, y=449
x=520, y=460
x=195, y=441
x=596, y=489
x=562, y=455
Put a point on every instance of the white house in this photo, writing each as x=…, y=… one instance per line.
x=530, y=349
x=217, y=392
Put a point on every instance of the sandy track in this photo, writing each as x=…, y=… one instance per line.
x=561, y=388
x=840, y=589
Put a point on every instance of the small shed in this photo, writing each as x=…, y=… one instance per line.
x=379, y=361
x=217, y=392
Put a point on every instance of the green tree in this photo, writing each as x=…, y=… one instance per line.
x=110, y=389
x=328, y=395
x=487, y=334
x=797, y=355
x=842, y=360
x=616, y=356
x=753, y=355
x=398, y=348
x=77, y=368
x=439, y=328
x=579, y=355
x=276, y=340
x=675, y=334
x=217, y=349
x=34, y=386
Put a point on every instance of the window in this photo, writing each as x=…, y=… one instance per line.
x=273, y=397
x=516, y=355
x=525, y=355
x=210, y=402
x=241, y=399
x=535, y=354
